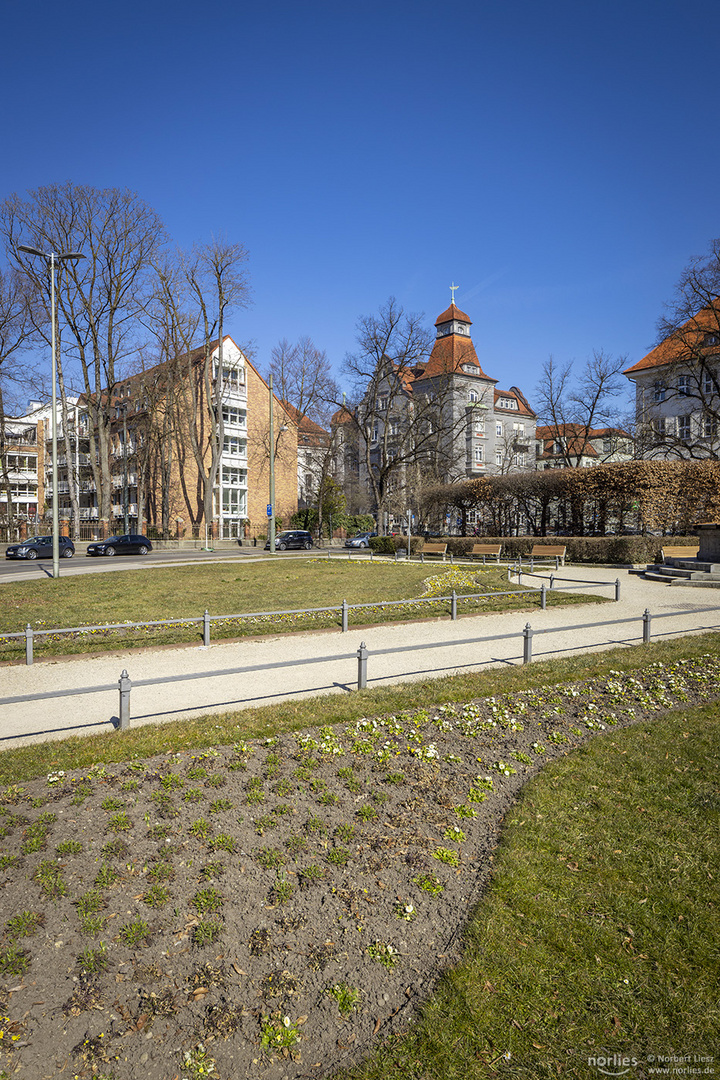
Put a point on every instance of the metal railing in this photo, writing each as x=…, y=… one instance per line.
x=124, y=684
x=342, y=610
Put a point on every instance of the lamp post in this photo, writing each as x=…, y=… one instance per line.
x=271, y=504
x=51, y=258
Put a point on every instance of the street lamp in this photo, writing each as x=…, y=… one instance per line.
x=271, y=504
x=51, y=258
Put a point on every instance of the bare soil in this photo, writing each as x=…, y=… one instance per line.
x=212, y=904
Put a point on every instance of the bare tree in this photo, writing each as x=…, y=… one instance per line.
x=99, y=298
x=688, y=341
x=195, y=292
x=573, y=407
x=303, y=378
x=15, y=329
x=398, y=431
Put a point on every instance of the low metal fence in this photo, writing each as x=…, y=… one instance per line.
x=125, y=685
x=342, y=610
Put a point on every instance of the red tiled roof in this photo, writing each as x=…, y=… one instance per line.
x=453, y=313
x=523, y=409
x=685, y=343
x=342, y=416
x=309, y=433
x=574, y=437
x=448, y=355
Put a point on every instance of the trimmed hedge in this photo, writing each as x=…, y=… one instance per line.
x=580, y=549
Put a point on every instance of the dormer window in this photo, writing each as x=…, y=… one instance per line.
x=469, y=368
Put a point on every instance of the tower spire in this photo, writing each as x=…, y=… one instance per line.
x=453, y=289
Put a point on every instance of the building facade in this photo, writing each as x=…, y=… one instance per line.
x=161, y=428
x=677, y=392
x=440, y=420
x=562, y=446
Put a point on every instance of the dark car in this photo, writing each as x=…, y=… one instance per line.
x=292, y=538
x=129, y=544
x=360, y=540
x=40, y=547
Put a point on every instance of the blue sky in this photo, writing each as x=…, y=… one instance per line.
x=557, y=160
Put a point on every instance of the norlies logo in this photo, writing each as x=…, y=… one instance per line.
x=615, y=1065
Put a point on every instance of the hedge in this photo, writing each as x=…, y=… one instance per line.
x=579, y=549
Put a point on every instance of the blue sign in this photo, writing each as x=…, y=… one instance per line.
x=269, y=509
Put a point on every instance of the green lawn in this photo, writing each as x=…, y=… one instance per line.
x=226, y=589
x=600, y=931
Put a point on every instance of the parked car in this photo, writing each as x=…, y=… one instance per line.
x=40, y=547
x=360, y=540
x=292, y=538
x=129, y=544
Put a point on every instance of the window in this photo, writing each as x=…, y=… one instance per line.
x=659, y=390
x=498, y=430
x=233, y=444
x=473, y=397
x=479, y=428
x=395, y=426
x=708, y=382
x=519, y=430
x=607, y=445
x=683, y=385
x=710, y=426
x=375, y=432
x=558, y=446
x=232, y=477
x=382, y=402
x=660, y=428
x=683, y=423
x=238, y=417
x=498, y=457
x=479, y=455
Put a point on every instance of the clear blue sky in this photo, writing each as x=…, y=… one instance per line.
x=558, y=160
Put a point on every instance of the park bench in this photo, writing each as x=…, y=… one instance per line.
x=549, y=551
x=486, y=550
x=678, y=552
x=433, y=549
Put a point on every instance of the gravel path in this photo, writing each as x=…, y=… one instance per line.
x=325, y=661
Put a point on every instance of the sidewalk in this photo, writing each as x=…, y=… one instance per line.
x=326, y=661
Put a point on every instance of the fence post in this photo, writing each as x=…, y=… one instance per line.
x=362, y=655
x=28, y=644
x=617, y=589
x=344, y=610
x=452, y=559
x=557, y=562
x=552, y=580
x=124, y=685
x=527, y=643
x=543, y=597
x=206, y=628
x=519, y=574
x=532, y=564
x=453, y=605
x=646, y=626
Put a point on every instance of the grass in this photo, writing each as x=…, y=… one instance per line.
x=82, y=752
x=185, y=592
x=600, y=930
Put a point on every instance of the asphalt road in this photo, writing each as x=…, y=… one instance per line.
x=24, y=570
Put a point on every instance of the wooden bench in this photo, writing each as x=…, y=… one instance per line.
x=678, y=552
x=487, y=549
x=433, y=549
x=549, y=551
